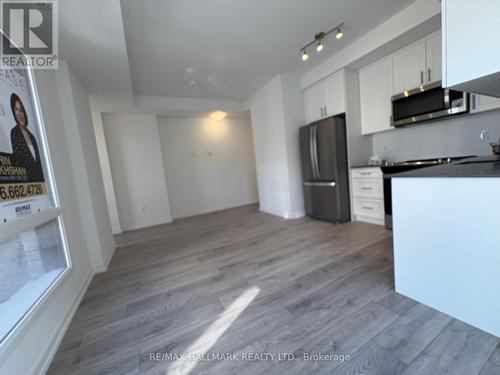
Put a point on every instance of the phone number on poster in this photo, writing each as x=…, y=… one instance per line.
x=18, y=191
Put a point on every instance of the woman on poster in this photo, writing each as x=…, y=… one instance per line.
x=25, y=152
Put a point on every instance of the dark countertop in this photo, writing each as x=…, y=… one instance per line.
x=479, y=166
x=365, y=166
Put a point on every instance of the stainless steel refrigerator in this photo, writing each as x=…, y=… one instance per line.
x=323, y=146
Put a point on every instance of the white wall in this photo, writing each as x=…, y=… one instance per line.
x=109, y=187
x=276, y=148
x=359, y=147
x=453, y=137
x=137, y=168
x=294, y=117
x=31, y=350
x=268, y=126
x=209, y=164
x=89, y=182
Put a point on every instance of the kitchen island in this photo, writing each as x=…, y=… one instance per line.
x=446, y=227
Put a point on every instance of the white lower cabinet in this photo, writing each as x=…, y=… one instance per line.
x=367, y=188
x=368, y=195
x=372, y=209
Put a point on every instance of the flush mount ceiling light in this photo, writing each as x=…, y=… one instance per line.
x=318, y=40
x=218, y=115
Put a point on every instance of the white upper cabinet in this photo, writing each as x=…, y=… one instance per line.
x=433, y=57
x=325, y=98
x=418, y=64
x=415, y=65
x=335, y=94
x=481, y=103
x=314, y=102
x=409, y=67
x=471, y=53
x=376, y=89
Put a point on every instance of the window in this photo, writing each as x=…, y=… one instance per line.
x=33, y=250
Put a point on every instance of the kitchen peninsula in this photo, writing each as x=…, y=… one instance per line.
x=447, y=239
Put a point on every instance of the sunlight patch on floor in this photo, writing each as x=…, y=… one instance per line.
x=203, y=344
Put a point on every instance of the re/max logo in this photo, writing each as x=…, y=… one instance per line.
x=23, y=208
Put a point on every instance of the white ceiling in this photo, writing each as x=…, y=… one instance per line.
x=92, y=41
x=229, y=47
x=232, y=47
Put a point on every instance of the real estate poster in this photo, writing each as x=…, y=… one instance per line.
x=22, y=180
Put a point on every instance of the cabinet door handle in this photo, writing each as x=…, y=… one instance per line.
x=321, y=111
x=366, y=188
x=428, y=74
x=421, y=77
x=325, y=110
x=367, y=208
x=366, y=173
x=473, y=101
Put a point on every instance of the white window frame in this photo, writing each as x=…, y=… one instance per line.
x=10, y=229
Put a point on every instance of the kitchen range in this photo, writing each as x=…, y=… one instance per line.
x=392, y=168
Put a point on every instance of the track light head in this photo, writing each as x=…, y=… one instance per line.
x=305, y=55
x=319, y=46
x=339, y=33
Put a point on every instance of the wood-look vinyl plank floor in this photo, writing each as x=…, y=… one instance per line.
x=241, y=281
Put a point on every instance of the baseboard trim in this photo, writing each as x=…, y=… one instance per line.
x=147, y=224
x=295, y=215
x=44, y=363
x=271, y=212
x=218, y=210
x=104, y=267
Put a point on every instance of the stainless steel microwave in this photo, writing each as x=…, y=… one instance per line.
x=425, y=103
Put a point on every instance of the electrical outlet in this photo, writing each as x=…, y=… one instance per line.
x=485, y=135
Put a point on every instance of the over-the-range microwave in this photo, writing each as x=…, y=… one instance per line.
x=428, y=102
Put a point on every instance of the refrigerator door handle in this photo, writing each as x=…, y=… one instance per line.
x=311, y=150
x=323, y=184
x=316, y=159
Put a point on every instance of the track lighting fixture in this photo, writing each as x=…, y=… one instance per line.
x=318, y=40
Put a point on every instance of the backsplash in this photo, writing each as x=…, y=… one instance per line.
x=452, y=137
